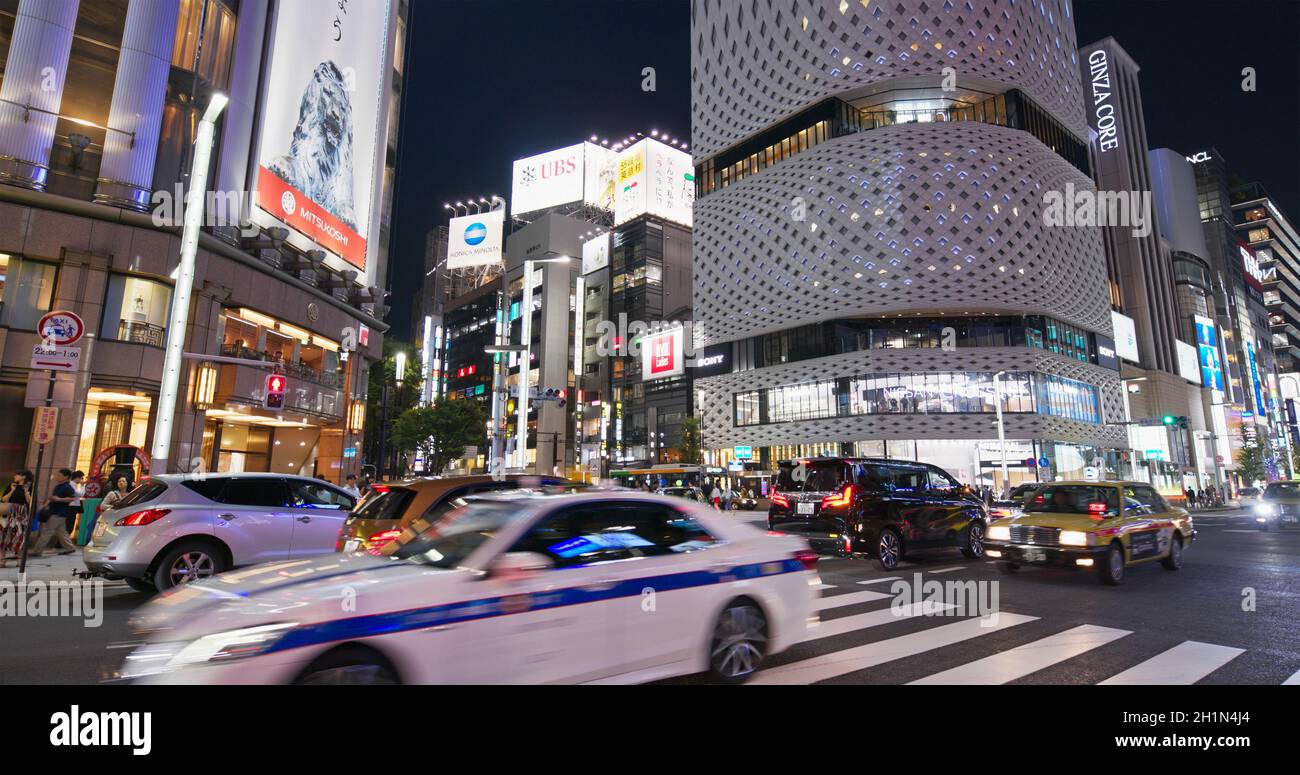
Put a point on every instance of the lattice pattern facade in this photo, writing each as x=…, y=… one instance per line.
x=928, y=218
x=755, y=62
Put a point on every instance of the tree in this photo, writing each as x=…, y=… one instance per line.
x=1250, y=462
x=692, y=454
x=384, y=373
x=441, y=431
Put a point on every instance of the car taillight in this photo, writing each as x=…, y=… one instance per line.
x=780, y=500
x=146, y=517
x=379, y=539
x=843, y=499
x=807, y=558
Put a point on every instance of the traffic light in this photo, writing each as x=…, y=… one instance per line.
x=1169, y=419
x=1174, y=421
x=275, y=385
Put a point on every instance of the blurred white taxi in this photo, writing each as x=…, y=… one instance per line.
x=605, y=586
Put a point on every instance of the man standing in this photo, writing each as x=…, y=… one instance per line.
x=55, y=525
x=351, y=487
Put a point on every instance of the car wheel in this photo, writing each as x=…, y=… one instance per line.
x=186, y=562
x=349, y=666
x=1007, y=568
x=889, y=549
x=1111, y=568
x=974, y=548
x=142, y=585
x=1175, y=559
x=739, y=639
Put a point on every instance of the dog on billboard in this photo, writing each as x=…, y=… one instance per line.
x=319, y=162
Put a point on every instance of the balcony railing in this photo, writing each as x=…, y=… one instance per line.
x=296, y=370
x=141, y=333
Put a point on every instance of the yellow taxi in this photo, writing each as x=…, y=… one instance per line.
x=1102, y=526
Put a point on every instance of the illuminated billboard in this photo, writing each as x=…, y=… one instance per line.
x=657, y=179
x=321, y=123
x=1189, y=367
x=1126, y=345
x=547, y=180
x=1207, y=344
x=662, y=354
x=474, y=240
x=595, y=253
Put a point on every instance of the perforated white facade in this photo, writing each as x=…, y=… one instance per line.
x=935, y=219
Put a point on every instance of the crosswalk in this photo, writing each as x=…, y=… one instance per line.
x=1184, y=663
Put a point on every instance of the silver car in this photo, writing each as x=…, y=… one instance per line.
x=174, y=529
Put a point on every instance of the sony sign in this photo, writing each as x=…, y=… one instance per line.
x=1103, y=105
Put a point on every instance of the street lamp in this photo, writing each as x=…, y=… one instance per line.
x=174, y=347
x=399, y=367
x=525, y=364
x=1002, y=431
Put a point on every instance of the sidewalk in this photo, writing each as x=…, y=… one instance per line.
x=52, y=567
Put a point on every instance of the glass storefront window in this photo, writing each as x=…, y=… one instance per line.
x=214, y=24
x=26, y=289
x=919, y=393
x=136, y=310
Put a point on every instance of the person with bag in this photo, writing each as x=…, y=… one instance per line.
x=15, y=508
x=56, y=514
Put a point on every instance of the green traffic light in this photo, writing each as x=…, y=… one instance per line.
x=1169, y=419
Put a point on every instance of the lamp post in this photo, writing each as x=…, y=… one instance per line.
x=174, y=346
x=1002, y=431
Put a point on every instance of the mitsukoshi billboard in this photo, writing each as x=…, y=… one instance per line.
x=320, y=122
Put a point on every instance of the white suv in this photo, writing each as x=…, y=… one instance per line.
x=174, y=529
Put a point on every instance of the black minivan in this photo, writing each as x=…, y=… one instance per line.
x=881, y=507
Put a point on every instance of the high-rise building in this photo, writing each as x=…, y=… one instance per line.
x=99, y=104
x=874, y=256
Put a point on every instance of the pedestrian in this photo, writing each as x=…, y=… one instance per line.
x=119, y=487
x=15, y=507
x=351, y=487
x=1191, y=497
x=726, y=498
x=54, y=520
x=74, y=519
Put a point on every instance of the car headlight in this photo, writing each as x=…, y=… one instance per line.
x=1000, y=533
x=1265, y=509
x=218, y=647
x=1074, y=538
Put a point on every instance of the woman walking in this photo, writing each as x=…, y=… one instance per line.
x=15, y=505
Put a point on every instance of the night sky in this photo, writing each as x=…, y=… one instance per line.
x=490, y=81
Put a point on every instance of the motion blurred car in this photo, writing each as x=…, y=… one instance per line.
x=1103, y=526
x=1248, y=494
x=1279, y=506
x=1014, y=504
x=518, y=587
x=391, y=508
x=177, y=528
x=689, y=493
x=883, y=507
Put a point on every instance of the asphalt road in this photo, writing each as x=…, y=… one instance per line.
x=1054, y=626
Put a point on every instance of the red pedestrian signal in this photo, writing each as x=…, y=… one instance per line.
x=275, y=385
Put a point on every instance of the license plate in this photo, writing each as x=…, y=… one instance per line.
x=351, y=545
x=805, y=508
x=100, y=527
x=1034, y=555
x=1289, y=520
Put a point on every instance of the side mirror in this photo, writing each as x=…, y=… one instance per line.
x=515, y=566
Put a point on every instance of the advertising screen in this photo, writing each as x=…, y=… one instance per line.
x=657, y=179
x=473, y=240
x=662, y=354
x=322, y=110
x=1207, y=344
x=1189, y=367
x=547, y=180
x=595, y=254
x=1125, y=336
